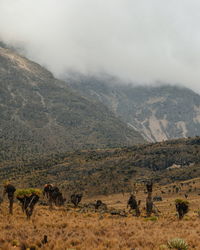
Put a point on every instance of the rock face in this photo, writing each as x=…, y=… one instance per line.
x=40, y=114
x=158, y=113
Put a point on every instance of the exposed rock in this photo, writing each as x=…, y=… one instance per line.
x=158, y=113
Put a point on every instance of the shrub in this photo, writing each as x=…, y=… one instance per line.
x=177, y=243
x=182, y=207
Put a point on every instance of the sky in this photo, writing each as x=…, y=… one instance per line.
x=143, y=41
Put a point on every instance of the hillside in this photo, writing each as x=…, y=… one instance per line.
x=158, y=113
x=40, y=114
x=112, y=170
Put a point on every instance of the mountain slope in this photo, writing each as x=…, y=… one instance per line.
x=114, y=170
x=158, y=113
x=40, y=114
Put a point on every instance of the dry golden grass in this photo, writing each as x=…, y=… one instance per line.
x=68, y=228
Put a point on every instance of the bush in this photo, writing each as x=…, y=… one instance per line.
x=182, y=207
x=177, y=243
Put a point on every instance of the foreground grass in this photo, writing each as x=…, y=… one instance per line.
x=70, y=229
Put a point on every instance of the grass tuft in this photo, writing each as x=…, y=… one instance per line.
x=177, y=243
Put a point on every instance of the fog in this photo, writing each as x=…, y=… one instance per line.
x=144, y=41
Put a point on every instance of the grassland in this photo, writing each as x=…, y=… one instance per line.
x=109, y=175
x=74, y=228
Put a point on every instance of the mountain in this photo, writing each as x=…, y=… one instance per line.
x=40, y=114
x=158, y=112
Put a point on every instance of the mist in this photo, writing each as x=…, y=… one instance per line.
x=143, y=41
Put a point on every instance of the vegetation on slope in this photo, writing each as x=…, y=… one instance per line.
x=40, y=114
x=112, y=170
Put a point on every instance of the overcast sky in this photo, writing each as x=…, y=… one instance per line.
x=141, y=40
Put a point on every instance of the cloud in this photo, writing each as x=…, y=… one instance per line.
x=141, y=40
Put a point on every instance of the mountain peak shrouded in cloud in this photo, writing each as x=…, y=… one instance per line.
x=139, y=40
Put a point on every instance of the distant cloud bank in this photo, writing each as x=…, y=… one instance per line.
x=140, y=40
